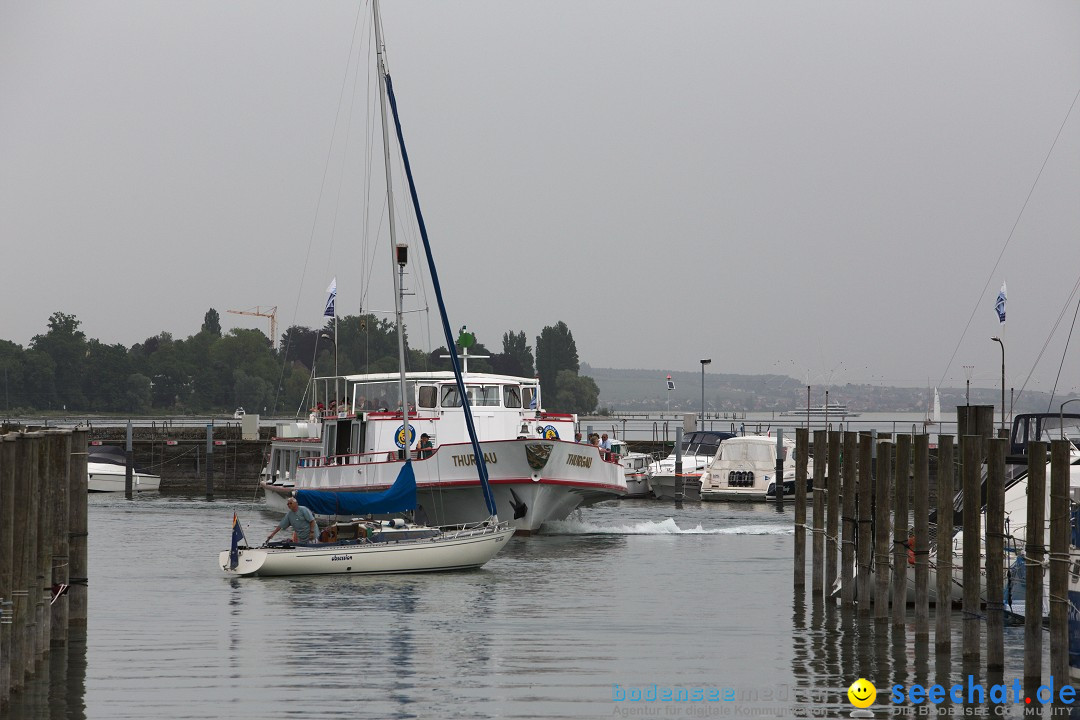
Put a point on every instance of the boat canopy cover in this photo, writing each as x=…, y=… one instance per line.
x=399, y=497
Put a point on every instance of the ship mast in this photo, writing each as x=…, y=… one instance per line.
x=399, y=253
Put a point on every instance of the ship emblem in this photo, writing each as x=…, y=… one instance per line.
x=399, y=436
x=550, y=433
x=537, y=454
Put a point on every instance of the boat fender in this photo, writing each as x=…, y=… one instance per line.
x=397, y=523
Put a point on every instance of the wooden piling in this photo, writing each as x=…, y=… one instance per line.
x=943, y=559
x=129, y=463
x=21, y=581
x=921, y=509
x=7, y=558
x=802, y=452
x=818, y=560
x=995, y=554
x=46, y=501
x=847, y=552
x=881, y=531
x=900, y=530
x=832, y=521
x=77, y=530
x=866, y=523
x=1059, y=560
x=1033, y=565
x=59, y=462
x=210, y=460
x=971, y=447
x=33, y=568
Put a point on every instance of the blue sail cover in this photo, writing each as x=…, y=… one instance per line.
x=400, y=497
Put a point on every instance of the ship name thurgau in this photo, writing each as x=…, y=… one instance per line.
x=470, y=459
x=578, y=460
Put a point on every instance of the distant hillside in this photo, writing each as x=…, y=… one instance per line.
x=645, y=390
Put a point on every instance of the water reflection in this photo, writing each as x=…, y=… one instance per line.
x=58, y=688
x=547, y=629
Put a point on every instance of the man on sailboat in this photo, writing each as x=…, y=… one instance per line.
x=302, y=520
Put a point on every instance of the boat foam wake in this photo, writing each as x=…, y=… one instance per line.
x=663, y=527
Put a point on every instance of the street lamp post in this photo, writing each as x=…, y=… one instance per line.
x=703, y=364
x=999, y=342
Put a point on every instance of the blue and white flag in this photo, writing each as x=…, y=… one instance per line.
x=999, y=306
x=329, y=311
x=237, y=536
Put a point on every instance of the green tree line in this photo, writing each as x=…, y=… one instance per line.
x=212, y=372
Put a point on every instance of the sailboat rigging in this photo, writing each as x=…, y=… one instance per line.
x=390, y=546
x=494, y=450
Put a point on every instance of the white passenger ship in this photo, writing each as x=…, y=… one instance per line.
x=356, y=443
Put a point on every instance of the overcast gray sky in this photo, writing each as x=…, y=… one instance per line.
x=817, y=189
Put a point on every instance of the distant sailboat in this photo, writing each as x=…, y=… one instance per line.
x=933, y=413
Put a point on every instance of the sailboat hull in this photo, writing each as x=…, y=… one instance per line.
x=456, y=550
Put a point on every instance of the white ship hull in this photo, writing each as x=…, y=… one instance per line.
x=569, y=476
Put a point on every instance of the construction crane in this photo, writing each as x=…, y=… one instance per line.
x=266, y=313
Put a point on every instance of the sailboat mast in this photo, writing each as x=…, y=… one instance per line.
x=398, y=256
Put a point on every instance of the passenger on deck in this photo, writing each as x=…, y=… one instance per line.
x=425, y=449
x=302, y=521
x=605, y=444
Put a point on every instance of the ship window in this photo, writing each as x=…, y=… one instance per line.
x=511, y=396
x=427, y=396
x=484, y=395
x=450, y=397
x=528, y=397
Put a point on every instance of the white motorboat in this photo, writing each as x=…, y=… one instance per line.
x=324, y=480
x=635, y=469
x=106, y=471
x=698, y=449
x=744, y=468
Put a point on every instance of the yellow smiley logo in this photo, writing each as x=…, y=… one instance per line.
x=862, y=693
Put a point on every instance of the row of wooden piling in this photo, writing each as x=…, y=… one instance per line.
x=43, y=558
x=858, y=469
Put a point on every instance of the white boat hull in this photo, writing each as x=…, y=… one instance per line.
x=572, y=476
x=456, y=550
x=637, y=485
x=674, y=487
x=111, y=478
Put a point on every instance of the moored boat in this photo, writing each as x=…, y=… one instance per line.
x=106, y=471
x=698, y=449
x=744, y=469
x=536, y=473
x=635, y=469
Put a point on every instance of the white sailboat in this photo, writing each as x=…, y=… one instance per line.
x=933, y=413
x=391, y=546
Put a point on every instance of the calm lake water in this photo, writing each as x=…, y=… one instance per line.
x=627, y=596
